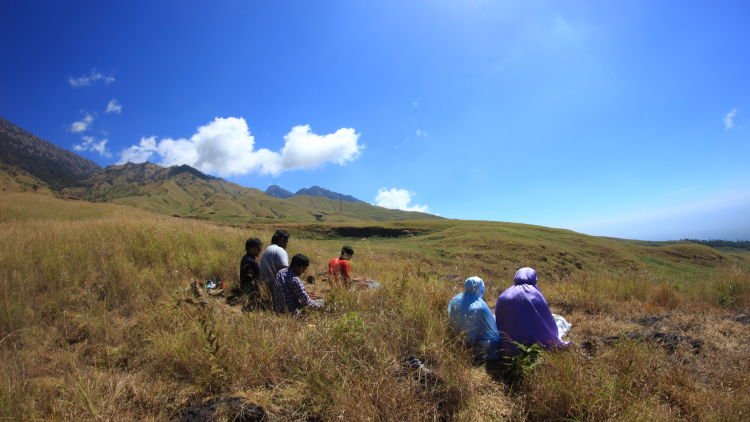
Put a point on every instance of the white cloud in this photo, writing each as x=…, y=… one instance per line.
x=114, y=107
x=90, y=144
x=306, y=150
x=139, y=153
x=399, y=199
x=225, y=147
x=82, y=125
x=421, y=134
x=87, y=80
x=729, y=119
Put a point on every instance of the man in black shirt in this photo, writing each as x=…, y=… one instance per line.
x=249, y=268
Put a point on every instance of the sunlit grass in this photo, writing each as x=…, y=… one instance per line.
x=94, y=324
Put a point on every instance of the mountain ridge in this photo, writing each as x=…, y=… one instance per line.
x=315, y=190
x=178, y=190
x=45, y=161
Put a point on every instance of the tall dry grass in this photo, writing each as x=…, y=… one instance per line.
x=94, y=326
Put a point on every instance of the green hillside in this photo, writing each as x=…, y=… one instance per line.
x=185, y=192
x=28, y=163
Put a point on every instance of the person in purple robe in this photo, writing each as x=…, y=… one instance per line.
x=522, y=315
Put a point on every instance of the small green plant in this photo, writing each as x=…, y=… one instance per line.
x=212, y=346
x=349, y=329
x=518, y=367
x=727, y=293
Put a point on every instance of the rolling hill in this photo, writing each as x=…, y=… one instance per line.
x=28, y=163
x=186, y=192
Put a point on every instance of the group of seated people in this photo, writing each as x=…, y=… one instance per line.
x=280, y=279
x=521, y=316
x=521, y=313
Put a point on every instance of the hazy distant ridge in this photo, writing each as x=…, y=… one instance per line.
x=279, y=192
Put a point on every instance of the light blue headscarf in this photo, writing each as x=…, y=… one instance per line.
x=470, y=314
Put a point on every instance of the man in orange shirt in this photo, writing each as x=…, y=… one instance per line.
x=339, y=269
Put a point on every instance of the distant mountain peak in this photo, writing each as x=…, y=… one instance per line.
x=278, y=192
x=147, y=172
x=326, y=193
x=175, y=170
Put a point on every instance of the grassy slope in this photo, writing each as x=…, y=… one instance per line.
x=215, y=199
x=92, y=323
x=13, y=179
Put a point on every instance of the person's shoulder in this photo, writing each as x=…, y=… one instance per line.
x=275, y=250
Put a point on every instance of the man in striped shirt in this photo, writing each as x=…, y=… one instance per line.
x=289, y=294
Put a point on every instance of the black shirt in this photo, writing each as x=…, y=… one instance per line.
x=249, y=274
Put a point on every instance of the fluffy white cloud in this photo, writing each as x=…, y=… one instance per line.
x=90, y=144
x=139, y=153
x=89, y=79
x=83, y=124
x=226, y=147
x=729, y=119
x=399, y=199
x=114, y=107
x=306, y=150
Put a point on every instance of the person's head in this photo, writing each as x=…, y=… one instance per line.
x=525, y=275
x=280, y=238
x=347, y=252
x=299, y=263
x=253, y=246
x=474, y=286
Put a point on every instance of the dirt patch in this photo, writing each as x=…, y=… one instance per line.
x=374, y=231
x=227, y=408
x=651, y=320
x=669, y=341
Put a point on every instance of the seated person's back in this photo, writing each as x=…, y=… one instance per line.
x=523, y=316
x=470, y=315
x=339, y=269
x=289, y=294
x=249, y=268
x=275, y=257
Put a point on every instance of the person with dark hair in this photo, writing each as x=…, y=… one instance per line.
x=339, y=269
x=249, y=268
x=274, y=258
x=289, y=294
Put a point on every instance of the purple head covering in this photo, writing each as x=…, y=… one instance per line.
x=523, y=316
x=525, y=275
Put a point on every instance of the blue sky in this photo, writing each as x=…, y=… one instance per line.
x=618, y=118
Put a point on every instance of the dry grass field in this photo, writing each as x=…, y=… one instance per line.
x=96, y=323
